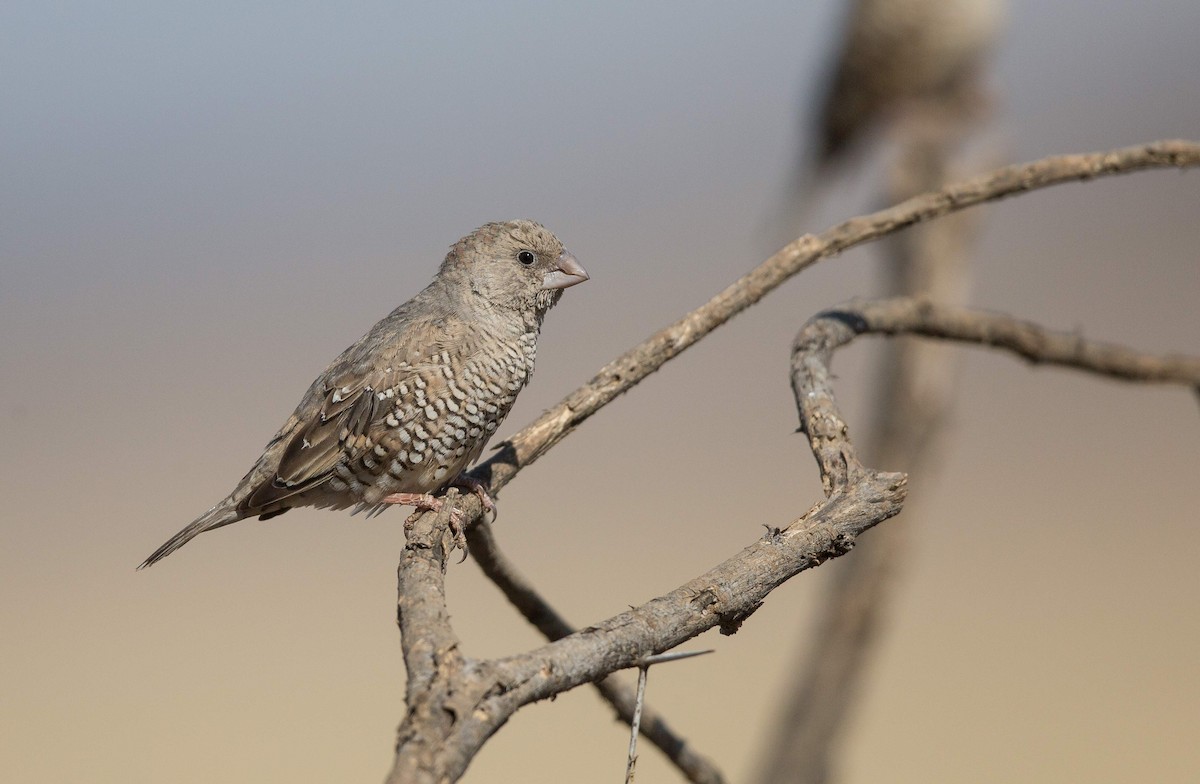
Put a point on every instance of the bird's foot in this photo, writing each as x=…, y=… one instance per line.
x=473, y=485
x=424, y=502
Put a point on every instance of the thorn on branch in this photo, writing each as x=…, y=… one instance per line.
x=640, y=701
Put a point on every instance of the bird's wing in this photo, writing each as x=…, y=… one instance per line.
x=343, y=414
x=337, y=431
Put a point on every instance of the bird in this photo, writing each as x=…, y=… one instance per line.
x=900, y=52
x=399, y=415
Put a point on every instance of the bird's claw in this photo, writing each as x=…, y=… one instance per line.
x=424, y=502
x=458, y=531
x=473, y=485
x=457, y=523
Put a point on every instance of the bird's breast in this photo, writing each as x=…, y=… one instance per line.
x=437, y=418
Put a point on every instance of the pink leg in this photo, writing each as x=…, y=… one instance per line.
x=426, y=502
x=423, y=501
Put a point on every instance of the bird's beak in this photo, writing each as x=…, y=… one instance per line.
x=567, y=272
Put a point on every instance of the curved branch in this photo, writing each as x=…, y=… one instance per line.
x=914, y=393
x=626, y=371
x=1032, y=342
x=723, y=597
x=813, y=348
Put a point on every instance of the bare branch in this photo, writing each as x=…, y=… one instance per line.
x=724, y=597
x=825, y=687
x=821, y=697
x=477, y=697
x=431, y=649
x=1030, y=341
x=634, y=365
x=462, y=701
x=456, y=703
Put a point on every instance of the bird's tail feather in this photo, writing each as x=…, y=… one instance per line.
x=223, y=513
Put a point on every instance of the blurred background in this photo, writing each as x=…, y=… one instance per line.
x=202, y=204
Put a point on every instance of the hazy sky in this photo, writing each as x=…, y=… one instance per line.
x=202, y=204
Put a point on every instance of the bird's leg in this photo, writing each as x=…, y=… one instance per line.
x=424, y=502
x=471, y=484
x=427, y=502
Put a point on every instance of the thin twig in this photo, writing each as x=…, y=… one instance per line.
x=643, y=673
x=640, y=700
x=672, y=656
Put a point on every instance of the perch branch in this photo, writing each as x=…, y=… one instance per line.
x=479, y=696
x=476, y=698
x=472, y=699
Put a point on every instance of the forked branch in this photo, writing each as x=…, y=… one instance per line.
x=455, y=703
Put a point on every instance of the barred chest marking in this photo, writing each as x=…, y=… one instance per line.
x=437, y=419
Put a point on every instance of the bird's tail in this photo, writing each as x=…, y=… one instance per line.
x=223, y=513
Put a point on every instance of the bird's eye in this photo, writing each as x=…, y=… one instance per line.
x=526, y=257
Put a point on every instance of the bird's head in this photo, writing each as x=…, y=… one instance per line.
x=513, y=265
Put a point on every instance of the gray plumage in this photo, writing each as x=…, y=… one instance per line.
x=410, y=405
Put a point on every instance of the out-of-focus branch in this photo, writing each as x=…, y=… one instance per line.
x=899, y=56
